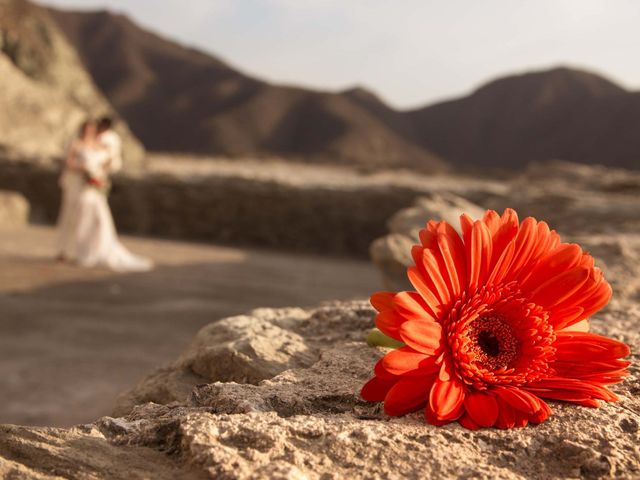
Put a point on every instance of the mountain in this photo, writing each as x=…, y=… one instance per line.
x=178, y=99
x=560, y=113
x=45, y=92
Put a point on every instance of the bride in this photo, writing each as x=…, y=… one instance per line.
x=86, y=229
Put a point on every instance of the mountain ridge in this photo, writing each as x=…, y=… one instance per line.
x=180, y=99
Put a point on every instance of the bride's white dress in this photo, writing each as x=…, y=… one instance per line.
x=95, y=239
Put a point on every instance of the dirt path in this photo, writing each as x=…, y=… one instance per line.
x=71, y=339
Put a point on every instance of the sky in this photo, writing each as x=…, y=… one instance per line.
x=409, y=52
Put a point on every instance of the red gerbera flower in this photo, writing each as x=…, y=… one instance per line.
x=498, y=322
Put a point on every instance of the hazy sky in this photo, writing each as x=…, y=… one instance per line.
x=410, y=52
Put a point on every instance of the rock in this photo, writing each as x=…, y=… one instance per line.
x=45, y=92
x=441, y=206
x=81, y=453
x=392, y=253
x=575, y=199
x=14, y=210
x=582, y=202
x=246, y=349
x=305, y=419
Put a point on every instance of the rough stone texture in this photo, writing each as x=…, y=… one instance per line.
x=45, y=92
x=14, y=209
x=248, y=349
x=82, y=453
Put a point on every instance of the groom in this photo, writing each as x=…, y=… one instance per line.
x=111, y=141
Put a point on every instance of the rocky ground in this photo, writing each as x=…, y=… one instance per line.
x=274, y=393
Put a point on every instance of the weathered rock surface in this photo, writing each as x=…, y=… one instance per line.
x=248, y=349
x=307, y=421
x=14, y=209
x=81, y=453
x=45, y=92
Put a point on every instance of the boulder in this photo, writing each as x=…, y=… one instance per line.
x=575, y=199
x=441, y=206
x=392, y=253
x=585, y=202
x=14, y=210
x=245, y=349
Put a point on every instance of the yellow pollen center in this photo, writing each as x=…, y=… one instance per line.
x=493, y=343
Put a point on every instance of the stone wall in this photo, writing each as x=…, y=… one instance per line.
x=335, y=219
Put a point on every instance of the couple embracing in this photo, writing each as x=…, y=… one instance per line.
x=86, y=231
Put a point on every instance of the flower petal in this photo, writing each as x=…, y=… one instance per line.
x=559, y=287
x=425, y=288
x=492, y=220
x=482, y=408
x=503, y=235
x=412, y=306
x=542, y=414
x=506, y=415
x=501, y=268
x=453, y=254
x=570, y=390
x=382, y=301
x=525, y=244
x=407, y=361
x=562, y=258
x=519, y=399
x=423, y=336
x=389, y=323
x=376, y=389
x=446, y=398
x=431, y=417
x=435, y=271
x=467, y=422
x=407, y=395
x=479, y=255
x=585, y=347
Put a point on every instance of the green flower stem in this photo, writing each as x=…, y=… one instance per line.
x=376, y=338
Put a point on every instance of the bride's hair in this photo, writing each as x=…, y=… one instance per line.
x=84, y=126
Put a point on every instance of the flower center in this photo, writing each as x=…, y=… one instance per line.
x=493, y=342
x=489, y=343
